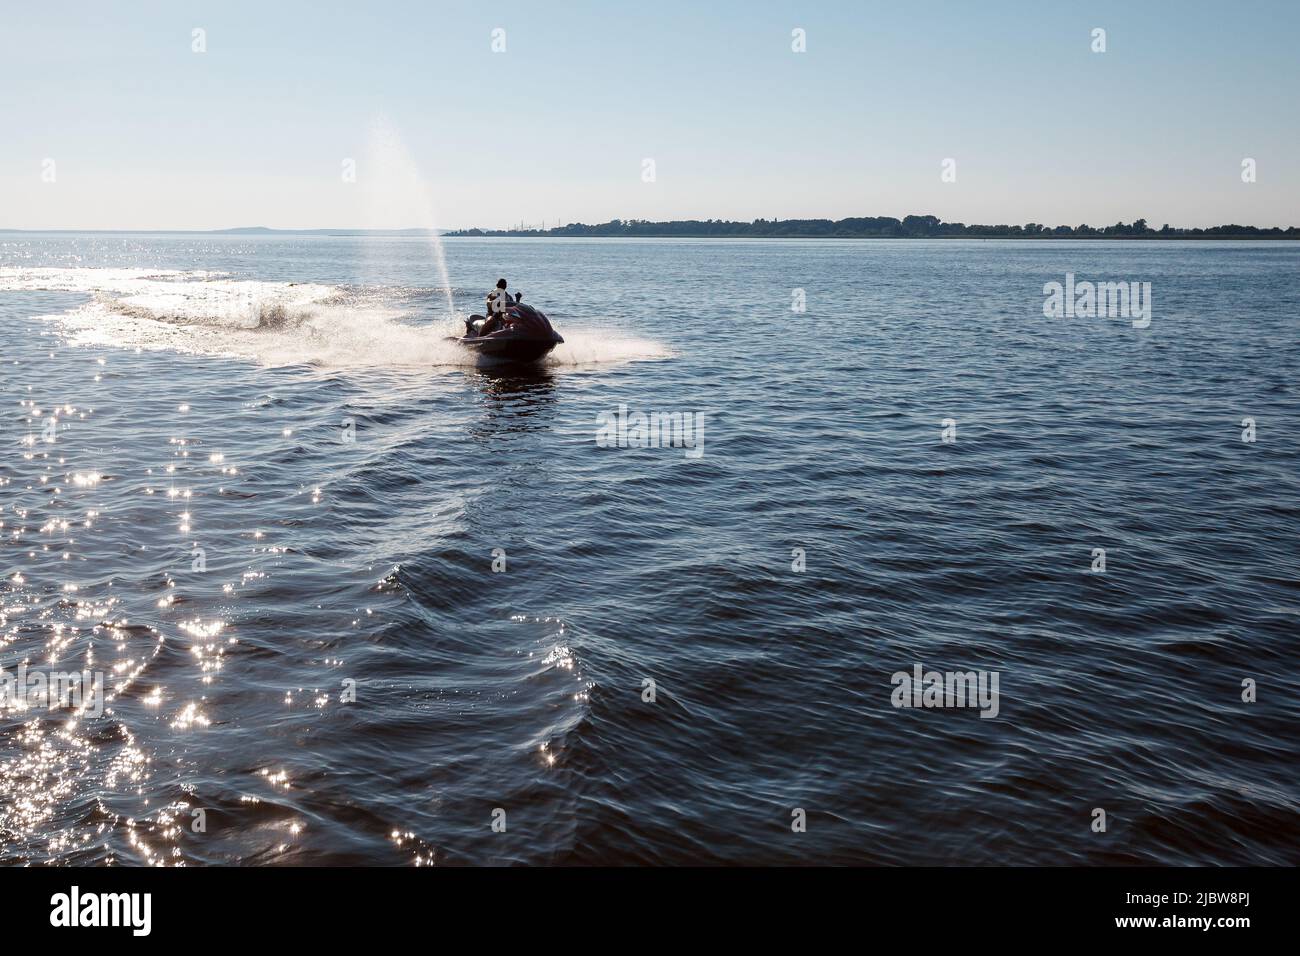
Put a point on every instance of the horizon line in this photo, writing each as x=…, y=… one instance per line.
x=543, y=231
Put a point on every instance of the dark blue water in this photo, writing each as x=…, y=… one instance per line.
x=349, y=479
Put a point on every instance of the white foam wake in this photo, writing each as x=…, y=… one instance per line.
x=601, y=347
x=274, y=323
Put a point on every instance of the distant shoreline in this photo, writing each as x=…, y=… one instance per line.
x=875, y=227
x=885, y=227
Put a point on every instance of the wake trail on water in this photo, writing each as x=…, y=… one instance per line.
x=281, y=323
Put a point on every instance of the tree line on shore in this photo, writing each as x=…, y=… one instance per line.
x=884, y=227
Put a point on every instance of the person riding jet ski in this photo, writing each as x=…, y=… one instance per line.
x=498, y=302
x=511, y=331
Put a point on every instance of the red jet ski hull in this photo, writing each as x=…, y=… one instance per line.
x=523, y=335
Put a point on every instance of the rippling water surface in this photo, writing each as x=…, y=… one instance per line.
x=247, y=481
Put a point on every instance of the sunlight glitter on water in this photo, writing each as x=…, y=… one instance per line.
x=332, y=614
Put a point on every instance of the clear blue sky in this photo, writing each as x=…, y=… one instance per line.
x=145, y=133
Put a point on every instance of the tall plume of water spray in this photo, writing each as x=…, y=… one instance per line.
x=396, y=195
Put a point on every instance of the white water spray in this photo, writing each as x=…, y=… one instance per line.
x=276, y=323
x=396, y=195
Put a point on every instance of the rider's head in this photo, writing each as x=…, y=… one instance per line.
x=501, y=283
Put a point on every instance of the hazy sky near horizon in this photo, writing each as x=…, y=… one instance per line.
x=144, y=133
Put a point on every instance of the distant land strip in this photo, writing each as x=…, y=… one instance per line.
x=882, y=227
x=864, y=227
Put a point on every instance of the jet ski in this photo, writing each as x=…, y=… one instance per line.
x=523, y=334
